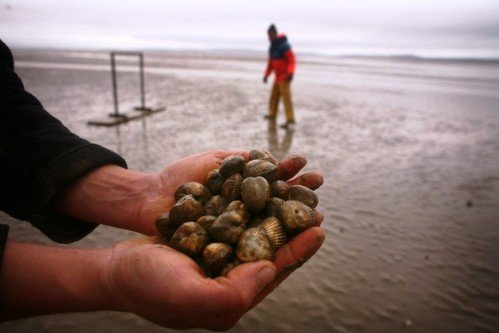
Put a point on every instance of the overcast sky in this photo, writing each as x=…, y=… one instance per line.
x=423, y=27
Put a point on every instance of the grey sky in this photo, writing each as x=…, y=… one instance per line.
x=423, y=27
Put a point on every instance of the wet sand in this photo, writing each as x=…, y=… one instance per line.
x=409, y=151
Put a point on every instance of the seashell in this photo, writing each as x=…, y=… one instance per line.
x=261, y=168
x=229, y=267
x=197, y=190
x=275, y=231
x=164, y=226
x=255, y=193
x=206, y=221
x=215, y=206
x=255, y=222
x=296, y=216
x=227, y=228
x=239, y=207
x=230, y=165
x=303, y=194
x=217, y=255
x=231, y=188
x=185, y=210
x=260, y=154
x=214, y=181
x=254, y=245
x=274, y=206
x=190, y=238
x=279, y=189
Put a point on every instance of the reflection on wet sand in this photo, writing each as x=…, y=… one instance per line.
x=279, y=148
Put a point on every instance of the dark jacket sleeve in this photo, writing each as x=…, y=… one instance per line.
x=39, y=157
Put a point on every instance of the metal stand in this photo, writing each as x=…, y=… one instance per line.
x=117, y=117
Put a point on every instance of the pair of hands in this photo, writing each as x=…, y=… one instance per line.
x=146, y=277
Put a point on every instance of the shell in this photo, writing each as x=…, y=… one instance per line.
x=296, y=216
x=217, y=255
x=164, y=226
x=274, y=206
x=303, y=194
x=190, y=238
x=279, y=189
x=214, y=181
x=215, y=206
x=239, y=207
x=255, y=222
x=229, y=267
x=275, y=231
x=255, y=193
x=185, y=210
x=231, y=188
x=232, y=164
x=227, y=228
x=260, y=154
x=261, y=168
x=197, y=190
x=254, y=245
x=206, y=221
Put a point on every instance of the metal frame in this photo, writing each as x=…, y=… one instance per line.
x=142, y=106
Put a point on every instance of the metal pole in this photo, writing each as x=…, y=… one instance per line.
x=142, y=88
x=115, y=87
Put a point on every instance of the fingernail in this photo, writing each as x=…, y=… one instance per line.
x=265, y=276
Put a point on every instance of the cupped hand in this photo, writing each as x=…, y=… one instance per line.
x=168, y=288
x=195, y=167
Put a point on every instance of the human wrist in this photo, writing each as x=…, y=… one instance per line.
x=109, y=195
x=40, y=280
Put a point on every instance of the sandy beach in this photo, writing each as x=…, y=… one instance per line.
x=409, y=150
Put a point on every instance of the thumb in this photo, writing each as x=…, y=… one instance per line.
x=251, y=278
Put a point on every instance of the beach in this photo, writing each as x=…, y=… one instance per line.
x=409, y=150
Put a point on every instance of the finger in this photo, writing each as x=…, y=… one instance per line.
x=290, y=166
x=319, y=217
x=312, y=180
x=236, y=292
x=292, y=256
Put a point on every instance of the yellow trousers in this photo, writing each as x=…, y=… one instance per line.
x=281, y=89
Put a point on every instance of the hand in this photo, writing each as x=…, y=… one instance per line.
x=289, y=77
x=265, y=79
x=168, y=288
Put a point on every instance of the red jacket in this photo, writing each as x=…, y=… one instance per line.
x=281, y=59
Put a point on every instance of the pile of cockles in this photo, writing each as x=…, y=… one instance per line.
x=240, y=214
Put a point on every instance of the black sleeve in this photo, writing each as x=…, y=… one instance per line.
x=39, y=157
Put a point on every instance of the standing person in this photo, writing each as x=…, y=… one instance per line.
x=282, y=63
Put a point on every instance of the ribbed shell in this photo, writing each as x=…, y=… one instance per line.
x=303, y=194
x=231, y=188
x=254, y=245
x=279, y=189
x=214, y=181
x=239, y=207
x=274, y=230
x=190, y=238
x=232, y=164
x=164, y=226
x=296, y=216
x=227, y=228
x=273, y=206
x=255, y=193
x=206, y=221
x=261, y=168
x=215, y=206
x=260, y=154
x=185, y=210
x=229, y=267
x=197, y=190
x=217, y=255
